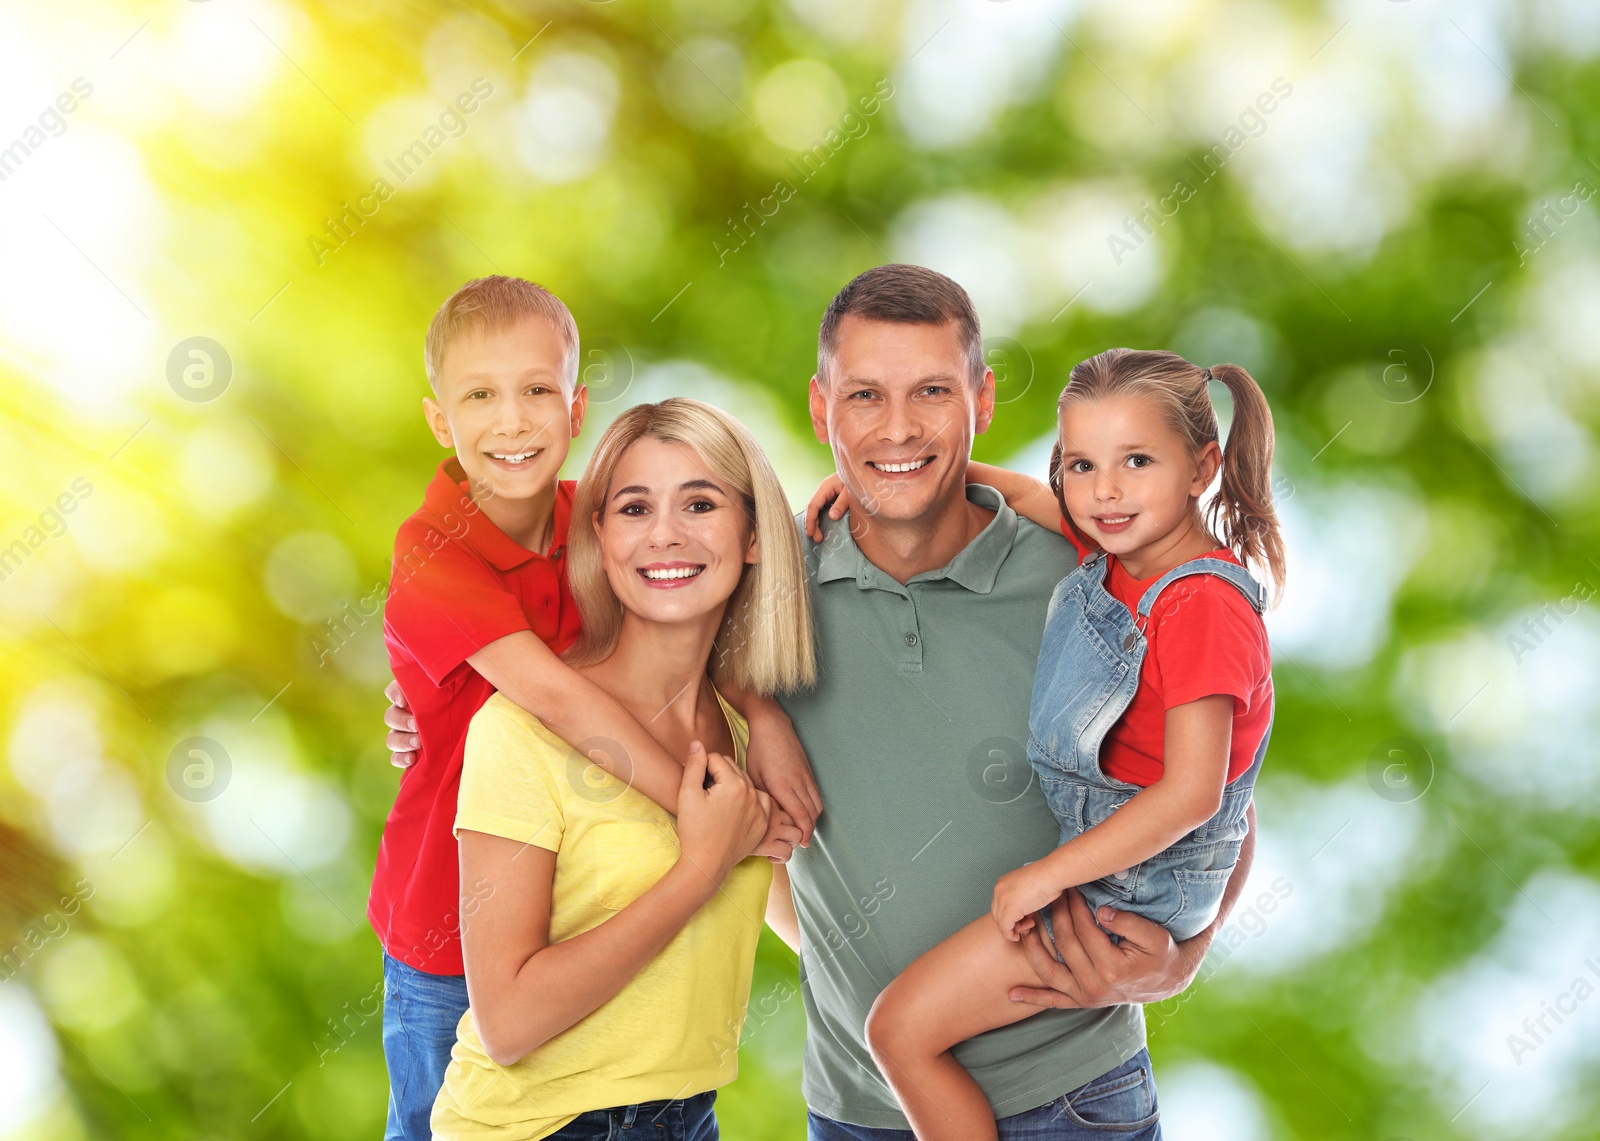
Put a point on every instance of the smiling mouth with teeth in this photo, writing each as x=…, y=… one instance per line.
x=896, y=469
x=666, y=574
x=513, y=457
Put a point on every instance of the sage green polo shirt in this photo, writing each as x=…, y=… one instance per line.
x=917, y=733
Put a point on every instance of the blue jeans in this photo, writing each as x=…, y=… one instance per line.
x=684, y=1119
x=420, y=1013
x=1119, y=1103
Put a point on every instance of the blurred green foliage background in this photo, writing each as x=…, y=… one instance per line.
x=1384, y=209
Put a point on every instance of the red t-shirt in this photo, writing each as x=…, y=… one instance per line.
x=1202, y=637
x=457, y=584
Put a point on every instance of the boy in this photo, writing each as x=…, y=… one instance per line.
x=478, y=601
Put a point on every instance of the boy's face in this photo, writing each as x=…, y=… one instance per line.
x=503, y=404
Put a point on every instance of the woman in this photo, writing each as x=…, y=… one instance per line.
x=609, y=954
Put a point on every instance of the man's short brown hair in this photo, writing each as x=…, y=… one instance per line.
x=489, y=304
x=907, y=295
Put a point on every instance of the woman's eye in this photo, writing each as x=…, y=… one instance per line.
x=701, y=506
x=631, y=509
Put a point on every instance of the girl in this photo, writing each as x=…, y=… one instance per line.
x=1151, y=704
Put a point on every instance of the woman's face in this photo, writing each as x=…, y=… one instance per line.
x=674, y=539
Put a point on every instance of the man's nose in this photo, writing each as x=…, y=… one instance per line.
x=900, y=422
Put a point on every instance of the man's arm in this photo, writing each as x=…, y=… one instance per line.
x=781, y=916
x=1147, y=966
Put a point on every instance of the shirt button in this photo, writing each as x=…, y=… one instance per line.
x=911, y=639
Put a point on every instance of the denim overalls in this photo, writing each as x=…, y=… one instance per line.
x=1089, y=667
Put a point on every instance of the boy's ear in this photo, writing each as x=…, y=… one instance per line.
x=580, y=405
x=437, y=422
x=1207, y=464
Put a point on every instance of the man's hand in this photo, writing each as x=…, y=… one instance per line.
x=1147, y=966
x=402, y=739
x=777, y=766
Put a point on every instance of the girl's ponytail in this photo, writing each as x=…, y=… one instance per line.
x=1241, y=515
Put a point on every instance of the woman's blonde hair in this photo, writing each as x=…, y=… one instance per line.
x=1241, y=515
x=765, y=643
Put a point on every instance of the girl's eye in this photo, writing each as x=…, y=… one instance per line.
x=1080, y=467
x=1140, y=461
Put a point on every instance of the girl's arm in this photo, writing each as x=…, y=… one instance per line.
x=522, y=988
x=781, y=916
x=1031, y=498
x=1198, y=735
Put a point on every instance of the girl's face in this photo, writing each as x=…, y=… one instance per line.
x=1129, y=480
x=674, y=539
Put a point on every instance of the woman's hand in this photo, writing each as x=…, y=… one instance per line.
x=720, y=825
x=830, y=490
x=1018, y=894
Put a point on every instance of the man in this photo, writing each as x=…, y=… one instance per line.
x=930, y=602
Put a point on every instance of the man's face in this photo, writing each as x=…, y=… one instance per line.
x=505, y=407
x=899, y=409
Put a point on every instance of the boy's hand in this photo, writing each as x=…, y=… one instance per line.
x=777, y=765
x=830, y=490
x=403, y=739
x=1018, y=894
x=782, y=834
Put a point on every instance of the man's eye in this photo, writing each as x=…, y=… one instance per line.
x=934, y=390
x=864, y=393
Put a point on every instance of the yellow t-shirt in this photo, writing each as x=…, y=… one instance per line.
x=673, y=1030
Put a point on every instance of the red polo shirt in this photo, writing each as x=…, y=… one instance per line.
x=458, y=583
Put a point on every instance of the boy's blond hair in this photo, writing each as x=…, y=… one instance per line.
x=488, y=304
x=765, y=642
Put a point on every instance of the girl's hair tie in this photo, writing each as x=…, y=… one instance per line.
x=1208, y=374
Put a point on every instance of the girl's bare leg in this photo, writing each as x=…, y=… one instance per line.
x=957, y=989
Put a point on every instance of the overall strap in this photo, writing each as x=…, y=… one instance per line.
x=1253, y=591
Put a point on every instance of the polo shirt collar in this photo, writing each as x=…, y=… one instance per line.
x=975, y=567
x=448, y=498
